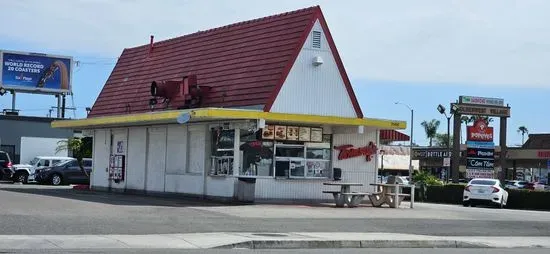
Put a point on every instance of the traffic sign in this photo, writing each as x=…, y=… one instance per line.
x=446, y=162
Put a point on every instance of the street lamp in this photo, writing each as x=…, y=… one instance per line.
x=441, y=110
x=411, y=139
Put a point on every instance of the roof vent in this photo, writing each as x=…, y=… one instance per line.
x=183, y=93
x=316, y=43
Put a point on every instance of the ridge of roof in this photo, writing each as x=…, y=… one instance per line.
x=207, y=31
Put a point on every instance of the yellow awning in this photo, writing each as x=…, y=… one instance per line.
x=205, y=114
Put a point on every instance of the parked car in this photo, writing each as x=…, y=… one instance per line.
x=26, y=172
x=515, y=184
x=535, y=186
x=6, y=166
x=485, y=191
x=67, y=172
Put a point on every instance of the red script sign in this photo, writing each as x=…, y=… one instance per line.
x=480, y=132
x=348, y=151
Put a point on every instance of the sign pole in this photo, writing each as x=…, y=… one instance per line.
x=58, y=106
x=13, y=100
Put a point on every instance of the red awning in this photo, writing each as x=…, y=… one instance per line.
x=392, y=135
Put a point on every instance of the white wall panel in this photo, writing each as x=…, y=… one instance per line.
x=220, y=186
x=100, y=158
x=307, y=85
x=191, y=184
x=197, y=149
x=156, y=159
x=176, y=156
x=136, y=160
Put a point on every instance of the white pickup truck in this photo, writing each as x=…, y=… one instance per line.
x=24, y=173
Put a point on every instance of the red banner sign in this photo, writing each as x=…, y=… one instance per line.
x=349, y=151
x=480, y=131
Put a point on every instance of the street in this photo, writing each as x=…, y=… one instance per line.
x=316, y=251
x=35, y=209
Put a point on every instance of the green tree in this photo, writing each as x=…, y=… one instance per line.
x=79, y=147
x=431, y=129
x=441, y=140
x=523, y=130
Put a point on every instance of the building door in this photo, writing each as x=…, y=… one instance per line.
x=156, y=160
x=119, y=146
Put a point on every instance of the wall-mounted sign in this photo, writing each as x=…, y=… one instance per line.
x=480, y=131
x=292, y=133
x=280, y=132
x=476, y=163
x=467, y=109
x=480, y=153
x=35, y=73
x=349, y=151
x=479, y=173
x=481, y=101
x=268, y=132
x=316, y=135
x=305, y=134
x=418, y=154
x=543, y=154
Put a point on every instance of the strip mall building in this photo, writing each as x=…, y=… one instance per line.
x=265, y=102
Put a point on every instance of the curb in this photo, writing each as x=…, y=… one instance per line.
x=335, y=244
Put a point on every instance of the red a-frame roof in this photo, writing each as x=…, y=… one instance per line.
x=245, y=64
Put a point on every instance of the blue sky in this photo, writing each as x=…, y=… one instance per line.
x=422, y=52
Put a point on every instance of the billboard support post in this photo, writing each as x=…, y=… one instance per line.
x=58, y=106
x=13, y=101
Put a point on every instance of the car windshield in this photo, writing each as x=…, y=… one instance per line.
x=483, y=182
x=34, y=161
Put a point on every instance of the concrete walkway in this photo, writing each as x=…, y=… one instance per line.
x=263, y=241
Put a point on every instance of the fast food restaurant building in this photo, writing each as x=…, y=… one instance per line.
x=263, y=106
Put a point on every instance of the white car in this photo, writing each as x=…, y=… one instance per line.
x=485, y=191
x=25, y=172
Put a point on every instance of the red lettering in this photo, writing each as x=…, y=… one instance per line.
x=348, y=151
x=544, y=154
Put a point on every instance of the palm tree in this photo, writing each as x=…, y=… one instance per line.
x=442, y=140
x=431, y=129
x=523, y=130
x=80, y=148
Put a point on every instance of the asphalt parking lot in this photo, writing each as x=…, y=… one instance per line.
x=38, y=209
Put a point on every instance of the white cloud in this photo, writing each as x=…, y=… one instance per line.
x=478, y=42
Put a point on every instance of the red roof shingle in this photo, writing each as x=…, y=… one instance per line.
x=243, y=63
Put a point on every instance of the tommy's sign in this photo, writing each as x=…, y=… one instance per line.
x=480, y=131
x=349, y=151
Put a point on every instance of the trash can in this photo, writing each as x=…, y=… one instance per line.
x=337, y=174
x=246, y=189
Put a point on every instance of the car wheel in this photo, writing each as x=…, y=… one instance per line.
x=466, y=203
x=501, y=205
x=56, y=179
x=21, y=177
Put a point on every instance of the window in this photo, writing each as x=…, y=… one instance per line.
x=483, y=182
x=43, y=163
x=222, y=151
x=316, y=39
x=256, y=155
x=87, y=163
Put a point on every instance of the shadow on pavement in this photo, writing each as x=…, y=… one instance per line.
x=126, y=199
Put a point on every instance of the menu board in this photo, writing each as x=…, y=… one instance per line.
x=268, y=132
x=292, y=133
x=304, y=134
x=280, y=132
x=316, y=135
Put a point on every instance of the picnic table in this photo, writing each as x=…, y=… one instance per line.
x=345, y=196
x=390, y=194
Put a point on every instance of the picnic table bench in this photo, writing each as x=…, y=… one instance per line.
x=390, y=194
x=345, y=196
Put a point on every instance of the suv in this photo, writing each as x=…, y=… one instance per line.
x=6, y=167
x=26, y=172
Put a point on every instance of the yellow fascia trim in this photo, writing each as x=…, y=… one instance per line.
x=297, y=118
x=169, y=116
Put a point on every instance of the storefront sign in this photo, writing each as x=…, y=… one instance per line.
x=480, y=153
x=481, y=101
x=475, y=163
x=479, y=173
x=482, y=110
x=430, y=154
x=480, y=131
x=349, y=151
x=543, y=154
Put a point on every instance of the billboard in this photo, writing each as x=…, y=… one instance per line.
x=35, y=73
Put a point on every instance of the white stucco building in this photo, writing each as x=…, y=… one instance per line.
x=263, y=106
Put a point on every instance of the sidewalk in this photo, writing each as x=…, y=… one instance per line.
x=263, y=241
